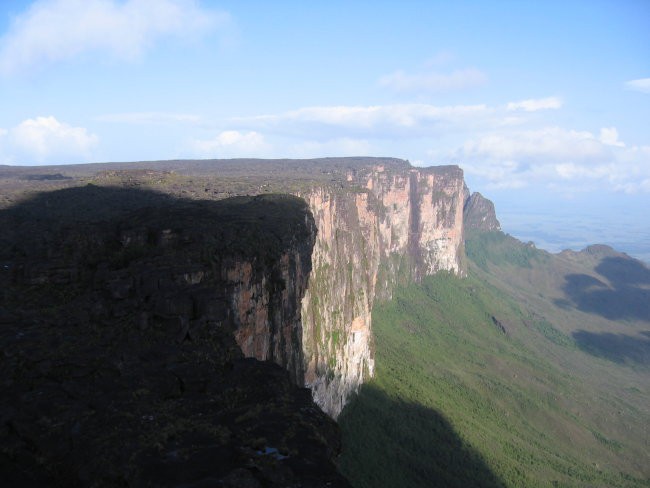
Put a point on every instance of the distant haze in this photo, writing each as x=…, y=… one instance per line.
x=623, y=222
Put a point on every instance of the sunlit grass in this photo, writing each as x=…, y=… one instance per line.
x=524, y=420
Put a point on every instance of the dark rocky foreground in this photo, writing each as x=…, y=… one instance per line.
x=119, y=365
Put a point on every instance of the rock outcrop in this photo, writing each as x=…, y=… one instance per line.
x=479, y=214
x=125, y=316
x=389, y=223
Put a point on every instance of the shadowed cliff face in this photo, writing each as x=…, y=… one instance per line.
x=246, y=260
x=123, y=317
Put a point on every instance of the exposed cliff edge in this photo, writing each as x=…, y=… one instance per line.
x=388, y=223
x=377, y=222
x=124, y=314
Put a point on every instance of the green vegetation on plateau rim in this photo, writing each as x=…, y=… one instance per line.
x=472, y=388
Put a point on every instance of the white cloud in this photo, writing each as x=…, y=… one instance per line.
x=609, y=137
x=635, y=161
x=43, y=139
x=150, y=118
x=231, y=143
x=642, y=186
x=3, y=132
x=554, y=157
x=407, y=115
x=574, y=171
x=434, y=82
x=239, y=144
x=535, y=104
x=641, y=85
x=402, y=120
x=56, y=30
x=336, y=147
x=551, y=143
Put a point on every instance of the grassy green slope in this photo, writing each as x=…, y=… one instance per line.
x=477, y=385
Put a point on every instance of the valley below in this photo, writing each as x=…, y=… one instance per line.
x=494, y=380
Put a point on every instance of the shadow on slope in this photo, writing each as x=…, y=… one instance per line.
x=401, y=443
x=628, y=297
x=620, y=348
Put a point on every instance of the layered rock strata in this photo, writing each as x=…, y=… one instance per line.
x=388, y=224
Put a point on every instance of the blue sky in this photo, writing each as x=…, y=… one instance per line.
x=545, y=105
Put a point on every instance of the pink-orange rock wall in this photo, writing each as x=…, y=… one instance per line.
x=388, y=226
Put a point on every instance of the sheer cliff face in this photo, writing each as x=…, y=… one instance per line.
x=295, y=291
x=240, y=264
x=266, y=308
x=386, y=226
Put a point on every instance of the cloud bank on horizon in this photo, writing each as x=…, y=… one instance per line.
x=93, y=80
